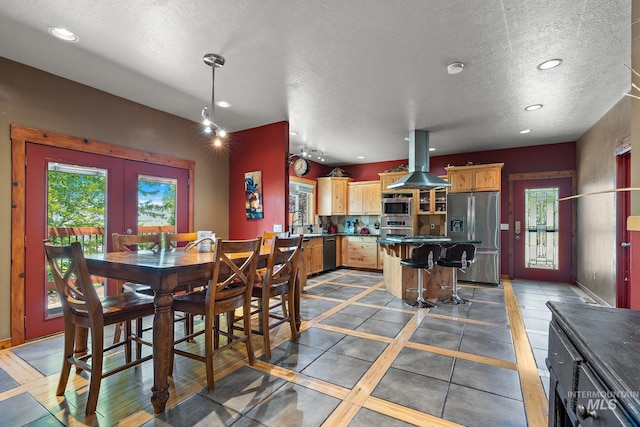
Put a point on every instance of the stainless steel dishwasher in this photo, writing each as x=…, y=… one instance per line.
x=329, y=253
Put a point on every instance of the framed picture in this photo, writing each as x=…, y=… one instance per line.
x=253, y=194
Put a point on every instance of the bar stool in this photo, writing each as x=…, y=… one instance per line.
x=423, y=257
x=460, y=257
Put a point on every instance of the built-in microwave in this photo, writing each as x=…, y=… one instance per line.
x=397, y=206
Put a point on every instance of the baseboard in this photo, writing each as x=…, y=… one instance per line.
x=6, y=343
x=593, y=296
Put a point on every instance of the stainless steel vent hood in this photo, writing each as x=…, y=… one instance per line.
x=419, y=177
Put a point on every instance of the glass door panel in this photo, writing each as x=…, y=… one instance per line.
x=157, y=199
x=541, y=224
x=76, y=212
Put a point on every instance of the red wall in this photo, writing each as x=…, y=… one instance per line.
x=265, y=149
x=540, y=158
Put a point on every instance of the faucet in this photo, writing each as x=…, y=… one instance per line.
x=299, y=219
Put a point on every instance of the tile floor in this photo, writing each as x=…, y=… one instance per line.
x=360, y=348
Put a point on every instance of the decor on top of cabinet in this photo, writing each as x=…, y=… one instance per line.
x=400, y=168
x=253, y=194
x=338, y=173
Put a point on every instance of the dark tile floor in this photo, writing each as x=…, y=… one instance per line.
x=350, y=329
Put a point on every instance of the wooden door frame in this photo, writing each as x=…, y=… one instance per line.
x=20, y=136
x=532, y=176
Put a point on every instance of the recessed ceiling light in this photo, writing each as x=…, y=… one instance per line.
x=547, y=65
x=525, y=131
x=63, y=34
x=223, y=104
x=432, y=149
x=360, y=157
x=533, y=107
x=293, y=133
x=455, y=68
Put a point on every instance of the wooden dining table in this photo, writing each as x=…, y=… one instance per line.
x=167, y=271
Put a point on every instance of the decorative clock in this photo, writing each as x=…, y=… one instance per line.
x=301, y=166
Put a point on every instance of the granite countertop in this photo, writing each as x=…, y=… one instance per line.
x=443, y=241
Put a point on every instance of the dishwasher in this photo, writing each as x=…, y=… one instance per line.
x=329, y=253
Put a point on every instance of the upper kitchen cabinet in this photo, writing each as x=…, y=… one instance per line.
x=388, y=178
x=475, y=177
x=433, y=201
x=333, y=196
x=364, y=198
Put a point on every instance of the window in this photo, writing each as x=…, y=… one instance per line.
x=302, y=200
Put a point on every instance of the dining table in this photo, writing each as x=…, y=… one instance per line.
x=167, y=271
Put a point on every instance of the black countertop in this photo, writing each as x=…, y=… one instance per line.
x=444, y=242
x=609, y=340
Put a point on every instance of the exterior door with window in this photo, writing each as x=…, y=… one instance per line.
x=542, y=230
x=76, y=196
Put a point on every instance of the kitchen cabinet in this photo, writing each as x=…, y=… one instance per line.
x=475, y=177
x=364, y=198
x=360, y=252
x=433, y=201
x=388, y=178
x=312, y=255
x=332, y=196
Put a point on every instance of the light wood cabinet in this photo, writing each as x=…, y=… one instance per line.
x=433, y=201
x=388, y=178
x=332, y=196
x=475, y=177
x=312, y=255
x=360, y=252
x=364, y=198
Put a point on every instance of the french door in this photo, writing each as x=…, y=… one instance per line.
x=77, y=196
x=542, y=230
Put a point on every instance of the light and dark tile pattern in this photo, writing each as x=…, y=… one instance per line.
x=363, y=358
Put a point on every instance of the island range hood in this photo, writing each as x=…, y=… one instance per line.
x=419, y=177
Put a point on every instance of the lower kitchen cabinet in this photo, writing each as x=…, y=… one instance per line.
x=312, y=255
x=360, y=252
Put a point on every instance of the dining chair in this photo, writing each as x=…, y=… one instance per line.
x=175, y=240
x=279, y=281
x=84, y=312
x=134, y=243
x=230, y=288
x=267, y=237
x=181, y=241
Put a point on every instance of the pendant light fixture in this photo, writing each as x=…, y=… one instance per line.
x=208, y=112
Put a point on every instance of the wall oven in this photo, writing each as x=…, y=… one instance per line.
x=398, y=217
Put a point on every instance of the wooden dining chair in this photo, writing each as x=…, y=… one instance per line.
x=278, y=282
x=84, y=312
x=230, y=288
x=175, y=240
x=180, y=241
x=267, y=237
x=134, y=243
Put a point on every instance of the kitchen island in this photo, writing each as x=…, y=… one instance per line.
x=398, y=279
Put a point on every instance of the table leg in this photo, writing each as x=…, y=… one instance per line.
x=162, y=344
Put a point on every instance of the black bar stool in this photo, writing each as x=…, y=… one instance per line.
x=459, y=256
x=423, y=257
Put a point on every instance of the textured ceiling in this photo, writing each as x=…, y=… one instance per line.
x=351, y=77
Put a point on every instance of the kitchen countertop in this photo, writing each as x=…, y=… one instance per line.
x=447, y=241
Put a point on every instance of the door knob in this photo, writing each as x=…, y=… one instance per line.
x=129, y=231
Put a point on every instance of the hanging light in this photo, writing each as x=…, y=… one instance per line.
x=208, y=112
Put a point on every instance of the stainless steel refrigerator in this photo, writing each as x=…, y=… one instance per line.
x=476, y=216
